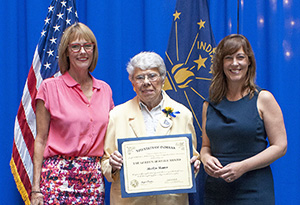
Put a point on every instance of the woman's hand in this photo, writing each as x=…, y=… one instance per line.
x=231, y=172
x=196, y=162
x=37, y=199
x=211, y=166
x=116, y=160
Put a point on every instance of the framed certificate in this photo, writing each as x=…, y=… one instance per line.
x=156, y=165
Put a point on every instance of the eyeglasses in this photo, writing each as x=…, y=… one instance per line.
x=151, y=77
x=76, y=47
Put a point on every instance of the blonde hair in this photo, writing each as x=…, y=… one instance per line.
x=228, y=46
x=73, y=32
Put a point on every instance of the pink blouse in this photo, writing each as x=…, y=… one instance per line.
x=77, y=126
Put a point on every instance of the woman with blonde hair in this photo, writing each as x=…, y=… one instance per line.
x=72, y=117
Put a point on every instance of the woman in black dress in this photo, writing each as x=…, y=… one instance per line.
x=238, y=118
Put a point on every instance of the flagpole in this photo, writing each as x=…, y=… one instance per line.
x=238, y=16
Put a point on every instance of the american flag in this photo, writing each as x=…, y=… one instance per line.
x=61, y=14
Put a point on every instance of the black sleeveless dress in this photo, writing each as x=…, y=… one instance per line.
x=237, y=132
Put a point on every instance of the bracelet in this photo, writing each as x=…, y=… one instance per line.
x=35, y=192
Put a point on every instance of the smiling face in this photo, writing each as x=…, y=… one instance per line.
x=148, y=85
x=235, y=66
x=81, y=59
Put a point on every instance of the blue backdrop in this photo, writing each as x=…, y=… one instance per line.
x=124, y=28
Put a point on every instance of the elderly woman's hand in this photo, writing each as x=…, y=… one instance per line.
x=116, y=161
x=196, y=162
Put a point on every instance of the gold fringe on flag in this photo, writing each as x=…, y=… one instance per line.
x=19, y=183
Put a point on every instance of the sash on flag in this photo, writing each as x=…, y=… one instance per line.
x=61, y=14
x=188, y=59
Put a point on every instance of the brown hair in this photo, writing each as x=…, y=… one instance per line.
x=228, y=46
x=73, y=32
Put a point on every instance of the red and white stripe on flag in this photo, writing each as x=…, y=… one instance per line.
x=61, y=14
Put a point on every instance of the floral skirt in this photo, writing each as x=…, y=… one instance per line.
x=72, y=180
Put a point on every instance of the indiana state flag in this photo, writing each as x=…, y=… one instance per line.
x=188, y=60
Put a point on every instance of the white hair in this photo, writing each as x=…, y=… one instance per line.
x=146, y=60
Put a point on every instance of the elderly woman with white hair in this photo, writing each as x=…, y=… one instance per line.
x=141, y=117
